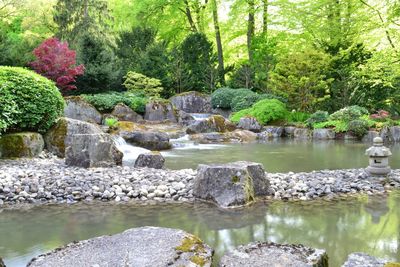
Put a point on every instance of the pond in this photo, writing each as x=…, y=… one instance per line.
x=370, y=225
x=280, y=155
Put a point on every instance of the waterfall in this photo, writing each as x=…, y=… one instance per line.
x=200, y=116
x=131, y=153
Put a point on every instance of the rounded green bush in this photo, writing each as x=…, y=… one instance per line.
x=105, y=102
x=222, y=97
x=34, y=101
x=8, y=109
x=138, y=104
x=349, y=113
x=359, y=128
x=317, y=117
x=245, y=100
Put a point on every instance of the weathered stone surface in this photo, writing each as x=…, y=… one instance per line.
x=242, y=136
x=92, y=150
x=226, y=113
x=209, y=138
x=395, y=133
x=19, y=145
x=55, y=138
x=78, y=109
x=232, y=184
x=149, y=140
x=363, y=260
x=259, y=254
x=185, y=118
x=323, y=134
x=369, y=137
x=215, y=123
x=250, y=124
x=192, y=102
x=124, y=113
x=151, y=160
x=145, y=247
x=160, y=111
x=289, y=131
x=271, y=132
x=302, y=133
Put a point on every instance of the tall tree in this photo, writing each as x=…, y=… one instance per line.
x=221, y=68
x=265, y=16
x=250, y=28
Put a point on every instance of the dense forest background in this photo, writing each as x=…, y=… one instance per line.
x=316, y=54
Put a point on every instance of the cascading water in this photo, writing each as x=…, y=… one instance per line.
x=131, y=153
x=200, y=116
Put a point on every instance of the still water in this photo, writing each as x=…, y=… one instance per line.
x=281, y=155
x=370, y=225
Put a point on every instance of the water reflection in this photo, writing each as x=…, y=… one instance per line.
x=341, y=227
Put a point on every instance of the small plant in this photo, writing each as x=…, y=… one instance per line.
x=296, y=116
x=111, y=122
x=317, y=117
x=359, y=128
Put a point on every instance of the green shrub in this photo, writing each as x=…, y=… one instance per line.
x=359, y=127
x=106, y=102
x=338, y=126
x=348, y=113
x=317, y=117
x=140, y=84
x=33, y=102
x=296, y=116
x=245, y=99
x=138, y=104
x=111, y=122
x=222, y=97
x=264, y=111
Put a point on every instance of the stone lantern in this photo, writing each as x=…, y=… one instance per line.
x=378, y=158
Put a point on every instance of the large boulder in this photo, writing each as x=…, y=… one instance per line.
x=55, y=138
x=242, y=136
x=150, y=160
x=250, y=124
x=124, y=113
x=363, y=260
x=92, y=150
x=302, y=133
x=369, y=137
x=323, y=134
x=259, y=254
x=185, y=118
x=160, y=111
x=192, y=102
x=232, y=184
x=145, y=247
x=19, y=145
x=395, y=133
x=149, y=140
x=78, y=109
x=271, y=132
x=289, y=131
x=215, y=123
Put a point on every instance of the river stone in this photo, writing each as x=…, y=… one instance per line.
x=271, y=132
x=369, y=137
x=302, y=133
x=323, y=134
x=242, y=136
x=185, y=118
x=19, y=145
x=259, y=254
x=289, y=131
x=78, y=109
x=250, y=124
x=192, y=102
x=160, y=111
x=209, y=138
x=144, y=246
x=149, y=140
x=215, y=123
x=124, y=113
x=232, y=184
x=363, y=260
x=151, y=160
x=92, y=150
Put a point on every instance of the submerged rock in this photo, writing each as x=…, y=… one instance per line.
x=124, y=113
x=149, y=140
x=160, y=111
x=78, y=109
x=145, y=247
x=232, y=184
x=215, y=123
x=259, y=254
x=271, y=132
x=19, y=145
x=250, y=124
x=363, y=260
x=192, y=102
x=323, y=134
x=151, y=160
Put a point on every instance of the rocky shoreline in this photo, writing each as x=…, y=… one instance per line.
x=49, y=180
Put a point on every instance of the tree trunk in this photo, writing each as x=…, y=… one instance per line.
x=265, y=16
x=188, y=13
x=221, y=69
x=250, y=28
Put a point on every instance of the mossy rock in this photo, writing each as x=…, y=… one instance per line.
x=392, y=264
x=192, y=244
x=77, y=108
x=161, y=110
x=19, y=145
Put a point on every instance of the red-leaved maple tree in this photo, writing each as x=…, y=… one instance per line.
x=55, y=61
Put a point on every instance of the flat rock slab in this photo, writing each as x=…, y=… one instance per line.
x=144, y=247
x=274, y=255
x=359, y=259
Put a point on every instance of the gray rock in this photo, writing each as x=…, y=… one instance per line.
x=78, y=109
x=209, y=138
x=215, y=123
x=270, y=254
x=289, y=131
x=151, y=160
x=232, y=184
x=92, y=150
x=185, y=118
x=250, y=124
x=323, y=134
x=363, y=260
x=124, y=113
x=369, y=137
x=302, y=133
x=150, y=140
x=192, y=102
x=145, y=247
x=395, y=133
x=226, y=113
x=19, y=145
x=271, y=132
x=160, y=111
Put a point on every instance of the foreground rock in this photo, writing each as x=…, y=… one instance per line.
x=150, y=160
x=230, y=185
x=215, y=123
x=160, y=111
x=250, y=124
x=19, y=145
x=192, y=102
x=78, y=109
x=363, y=260
x=145, y=246
x=150, y=140
x=270, y=254
x=124, y=113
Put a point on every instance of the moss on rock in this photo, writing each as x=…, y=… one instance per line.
x=25, y=144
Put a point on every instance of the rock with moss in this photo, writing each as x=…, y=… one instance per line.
x=271, y=132
x=153, y=160
x=249, y=123
x=215, y=123
x=124, y=113
x=185, y=118
x=302, y=133
x=20, y=145
x=160, y=110
x=359, y=259
x=260, y=254
x=231, y=185
x=289, y=131
x=323, y=134
x=192, y=102
x=77, y=108
x=144, y=246
x=150, y=140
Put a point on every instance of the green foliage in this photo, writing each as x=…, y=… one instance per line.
x=29, y=101
x=296, y=116
x=245, y=100
x=141, y=84
x=223, y=97
x=359, y=127
x=264, y=111
x=338, y=126
x=317, y=117
x=349, y=113
x=111, y=122
x=138, y=104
